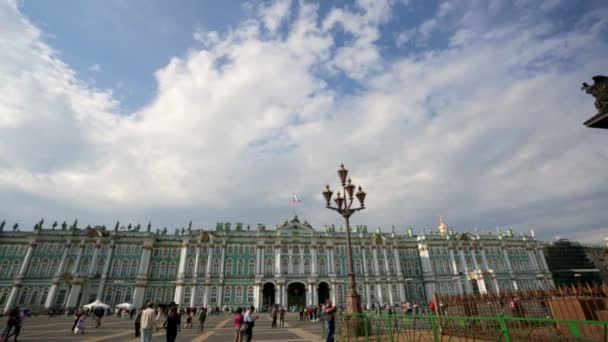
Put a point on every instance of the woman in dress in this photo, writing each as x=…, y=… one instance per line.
x=173, y=324
x=238, y=324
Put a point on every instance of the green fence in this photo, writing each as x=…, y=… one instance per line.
x=421, y=328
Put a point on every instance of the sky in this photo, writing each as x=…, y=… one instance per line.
x=173, y=112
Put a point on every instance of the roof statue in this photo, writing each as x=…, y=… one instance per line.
x=2, y=225
x=164, y=232
x=190, y=225
x=149, y=226
x=599, y=90
x=54, y=225
x=239, y=227
x=15, y=227
x=129, y=227
x=64, y=225
x=74, y=225
x=116, y=226
x=138, y=227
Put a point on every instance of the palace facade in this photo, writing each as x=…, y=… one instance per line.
x=292, y=264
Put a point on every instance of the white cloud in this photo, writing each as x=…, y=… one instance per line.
x=487, y=132
x=95, y=68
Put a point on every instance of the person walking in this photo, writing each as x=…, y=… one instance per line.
x=202, y=316
x=330, y=318
x=281, y=317
x=239, y=325
x=147, y=322
x=274, y=314
x=98, y=312
x=137, y=323
x=161, y=318
x=80, y=325
x=13, y=325
x=249, y=319
x=173, y=324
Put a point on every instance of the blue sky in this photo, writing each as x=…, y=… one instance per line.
x=150, y=110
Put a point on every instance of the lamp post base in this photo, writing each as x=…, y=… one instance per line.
x=354, y=323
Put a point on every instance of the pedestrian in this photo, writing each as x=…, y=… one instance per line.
x=250, y=319
x=161, y=318
x=98, y=312
x=79, y=328
x=13, y=325
x=173, y=324
x=137, y=323
x=330, y=319
x=239, y=325
x=188, y=319
x=274, y=314
x=147, y=322
x=77, y=315
x=202, y=316
x=301, y=313
x=282, y=316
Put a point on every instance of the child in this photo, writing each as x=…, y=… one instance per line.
x=79, y=330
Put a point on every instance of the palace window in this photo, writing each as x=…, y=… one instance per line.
x=284, y=265
x=23, y=296
x=169, y=293
x=306, y=250
x=321, y=250
x=192, y=250
x=216, y=266
x=306, y=265
x=200, y=295
x=296, y=265
x=84, y=265
x=269, y=250
x=241, y=250
x=115, y=268
x=189, y=267
x=174, y=252
x=251, y=250
x=296, y=249
x=269, y=269
x=213, y=295
x=227, y=294
x=156, y=253
x=241, y=268
x=162, y=270
x=101, y=262
x=187, y=293
x=165, y=252
x=109, y=293
x=128, y=295
x=133, y=270
x=172, y=269
x=251, y=267
x=228, y=270
x=153, y=270
x=250, y=295
x=358, y=267
x=4, y=270
x=230, y=249
x=238, y=295
x=339, y=266
x=322, y=270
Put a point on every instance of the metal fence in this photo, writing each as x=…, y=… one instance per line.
x=433, y=328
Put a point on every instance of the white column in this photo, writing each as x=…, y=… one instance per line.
x=209, y=260
x=284, y=295
x=179, y=285
x=368, y=295
x=386, y=267
x=543, y=261
x=256, y=296
x=473, y=256
x=379, y=293
x=301, y=260
x=453, y=262
x=397, y=263
x=73, y=296
x=376, y=263
x=465, y=269
x=258, y=260
x=507, y=260
x=93, y=266
x=50, y=298
x=142, y=275
x=223, y=260
x=196, y=261
x=194, y=287
x=313, y=266
x=277, y=262
x=106, y=269
x=78, y=258
x=220, y=296
x=390, y=294
x=333, y=292
x=290, y=264
x=277, y=294
x=365, y=270
x=15, y=290
x=533, y=261
x=262, y=260
x=307, y=295
x=484, y=258
x=206, y=297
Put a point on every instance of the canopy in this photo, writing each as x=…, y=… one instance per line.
x=127, y=306
x=96, y=304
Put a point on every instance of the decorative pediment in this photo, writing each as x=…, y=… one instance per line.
x=94, y=232
x=295, y=226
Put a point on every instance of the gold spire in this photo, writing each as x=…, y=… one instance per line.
x=443, y=228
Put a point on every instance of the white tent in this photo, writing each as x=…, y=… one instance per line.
x=96, y=304
x=127, y=306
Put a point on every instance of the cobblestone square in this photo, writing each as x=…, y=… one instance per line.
x=217, y=328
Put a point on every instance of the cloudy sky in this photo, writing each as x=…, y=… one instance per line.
x=153, y=111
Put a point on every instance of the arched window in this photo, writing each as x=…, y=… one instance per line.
x=227, y=294
x=124, y=270
x=250, y=295
x=133, y=270
x=202, y=266
x=61, y=296
x=84, y=265
x=43, y=269
x=162, y=271
x=322, y=270
x=241, y=251
x=200, y=295
x=189, y=267
x=358, y=267
x=23, y=297
x=158, y=295
x=101, y=264
x=238, y=295
x=115, y=268
x=3, y=297
x=213, y=295
x=118, y=297
x=153, y=270
x=296, y=265
x=33, y=267
x=228, y=270
x=284, y=265
x=4, y=269
x=370, y=267
x=15, y=268
x=268, y=268
x=216, y=266
x=251, y=267
x=34, y=298
x=45, y=294
x=338, y=266
x=241, y=268
x=306, y=265
x=187, y=293
x=172, y=270
x=169, y=294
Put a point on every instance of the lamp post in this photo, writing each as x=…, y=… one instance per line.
x=344, y=201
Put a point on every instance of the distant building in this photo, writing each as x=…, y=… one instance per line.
x=569, y=264
x=293, y=264
x=598, y=255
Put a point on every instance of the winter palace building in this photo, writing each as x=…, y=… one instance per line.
x=293, y=264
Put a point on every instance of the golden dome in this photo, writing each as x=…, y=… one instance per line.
x=443, y=228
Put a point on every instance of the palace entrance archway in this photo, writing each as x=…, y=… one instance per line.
x=268, y=292
x=296, y=295
x=322, y=292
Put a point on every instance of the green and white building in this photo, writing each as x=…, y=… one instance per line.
x=293, y=264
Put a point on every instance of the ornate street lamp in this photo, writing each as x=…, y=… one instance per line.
x=344, y=201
